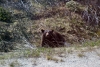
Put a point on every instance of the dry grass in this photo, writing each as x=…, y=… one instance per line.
x=52, y=58
x=69, y=51
x=15, y=64
x=81, y=55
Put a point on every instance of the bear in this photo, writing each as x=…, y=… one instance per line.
x=51, y=38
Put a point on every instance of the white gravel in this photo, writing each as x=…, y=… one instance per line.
x=90, y=59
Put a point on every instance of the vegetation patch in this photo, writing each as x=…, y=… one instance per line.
x=5, y=15
x=91, y=43
x=81, y=55
x=15, y=64
x=74, y=6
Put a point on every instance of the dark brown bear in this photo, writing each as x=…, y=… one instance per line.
x=50, y=38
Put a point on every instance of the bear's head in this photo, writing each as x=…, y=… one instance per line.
x=47, y=33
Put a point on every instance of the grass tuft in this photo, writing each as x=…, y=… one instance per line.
x=81, y=55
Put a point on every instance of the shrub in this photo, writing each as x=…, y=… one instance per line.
x=6, y=43
x=73, y=6
x=5, y=16
x=6, y=46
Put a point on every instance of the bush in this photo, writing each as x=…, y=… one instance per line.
x=6, y=36
x=6, y=46
x=6, y=43
x=73, y=6
x=5, y=16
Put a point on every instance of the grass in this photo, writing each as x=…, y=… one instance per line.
x=31, y=53
x=17, y=54
x=14, y=64
x=42, y=51
x=2, y=63
x=91, y=43
x=69, y=51
x=52, y=58
x=50, y=52
x=81, y=55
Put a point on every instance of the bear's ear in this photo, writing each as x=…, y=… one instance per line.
x=42, y=30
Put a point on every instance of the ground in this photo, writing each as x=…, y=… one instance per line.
x=65, y=19
x=63, y=57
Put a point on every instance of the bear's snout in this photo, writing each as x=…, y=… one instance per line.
x=47, y=34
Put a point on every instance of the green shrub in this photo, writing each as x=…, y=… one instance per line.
x=5, y=16
x=73, y=6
